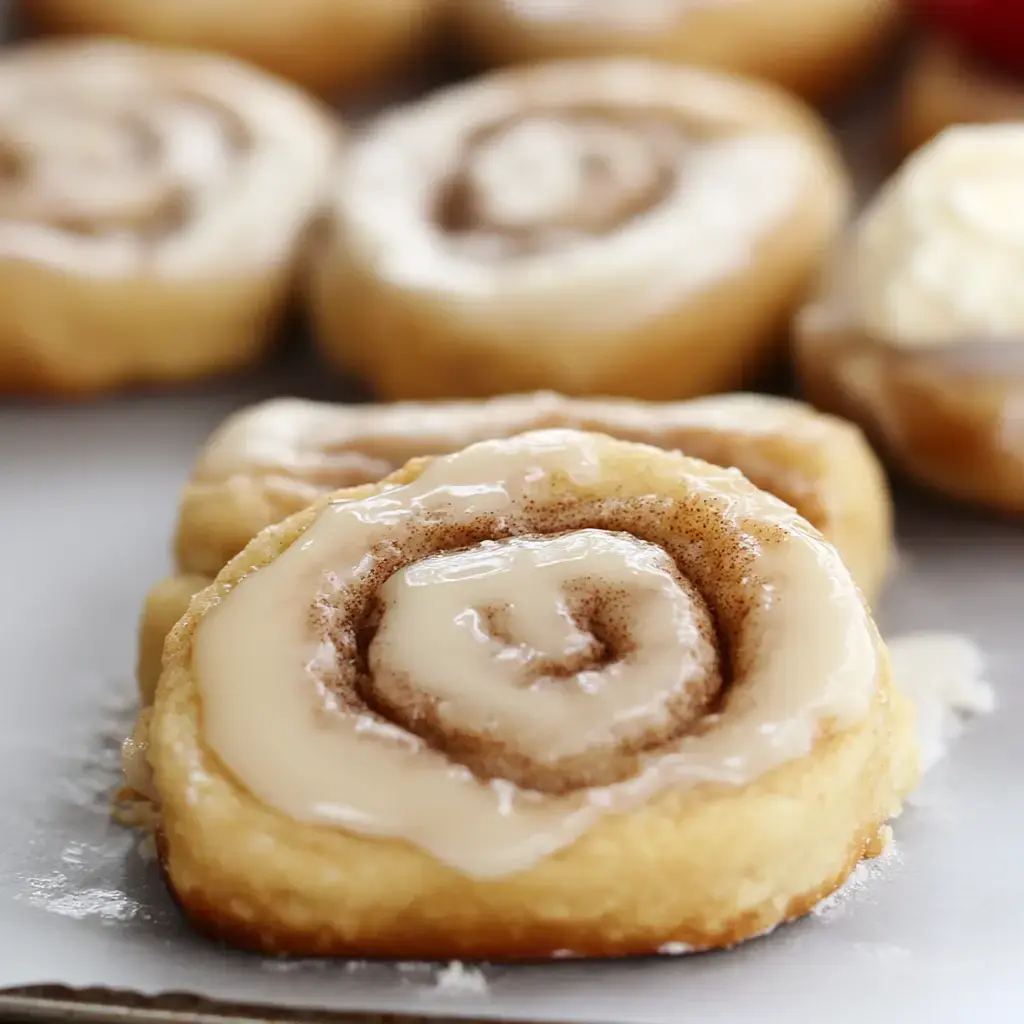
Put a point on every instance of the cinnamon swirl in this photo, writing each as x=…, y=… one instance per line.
x=322, y=44
x=606, y=227
x=151, y=209
x=918, y=333
x=816, y=48
x=553, y=692
x=275, y=459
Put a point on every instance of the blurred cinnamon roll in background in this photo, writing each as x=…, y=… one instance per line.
x=322, y=44
x=918, y=331
x=817, y=48
x=605, y=227
x=152, y=206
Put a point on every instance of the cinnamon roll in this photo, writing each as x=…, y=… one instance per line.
x=275, y=459
x=152, y=205
x=554, y=692
x=918, y=333
x=322, y=44
x=606, y=227
x=816, y=48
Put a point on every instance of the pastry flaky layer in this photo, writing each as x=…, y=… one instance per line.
x=594, y=227
x=551, y=693
x=917, y=331
x=322, y=44
x=274, y=459
x=153, y=207
x=816, y=48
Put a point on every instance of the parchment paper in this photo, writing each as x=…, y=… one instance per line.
x=87, y=497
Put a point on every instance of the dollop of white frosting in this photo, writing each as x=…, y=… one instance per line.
x=940, y=253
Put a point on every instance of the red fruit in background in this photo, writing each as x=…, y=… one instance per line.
x=990, y=29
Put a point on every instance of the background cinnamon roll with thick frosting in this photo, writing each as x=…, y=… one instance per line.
x=918, y=333
x=152, y=205
x=274, y=459
x=558, y=692
x=605, y=227
x=322, y=44
x=817, y=48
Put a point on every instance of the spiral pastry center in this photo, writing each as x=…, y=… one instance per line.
x=530, y=634
x=544, y=179
x=547, y=661
x=937, y=258
x=130, y=164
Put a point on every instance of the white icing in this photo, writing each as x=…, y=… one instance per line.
x=435, y=632
x=109, y=135
x=727, y=194
x=806, y=644
x=944, y=675
x=940, y=253
x=626, y=15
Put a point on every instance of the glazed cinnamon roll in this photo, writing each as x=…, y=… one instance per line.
x=918, y=333
x=152, y=205
x=322, y=44
x=270, y=461
x=555, y=692
x=608, y=227
x=816, y=48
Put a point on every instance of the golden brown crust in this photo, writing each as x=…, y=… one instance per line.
x=705, y=317
x=115, y=334
x=816, y=48
x=133, y=273
x=322, y=44
x=943, y=87
x=750, y=856
x=208, y=917
x=165, y=604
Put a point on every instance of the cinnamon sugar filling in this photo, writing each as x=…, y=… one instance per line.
x=533, y=633
x=540, y=180
x=91, y=168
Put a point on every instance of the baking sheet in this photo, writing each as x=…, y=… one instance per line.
x=87, y=499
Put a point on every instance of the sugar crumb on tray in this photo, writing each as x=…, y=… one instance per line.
x=944, y=675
